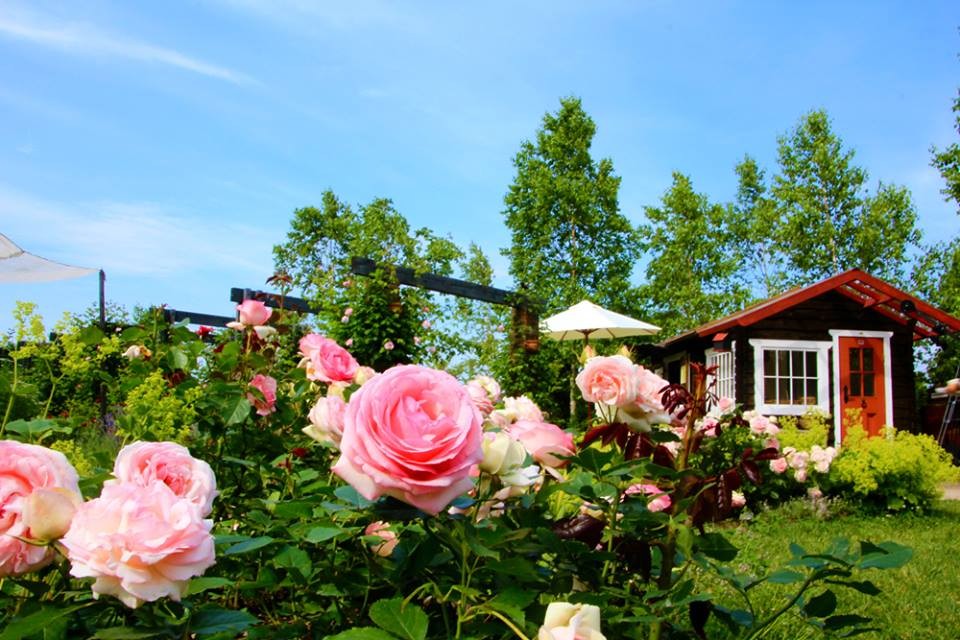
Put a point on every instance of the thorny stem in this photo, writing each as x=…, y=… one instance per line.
x=669, y=546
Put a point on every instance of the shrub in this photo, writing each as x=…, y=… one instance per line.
x=813, y=428
x=899, y=471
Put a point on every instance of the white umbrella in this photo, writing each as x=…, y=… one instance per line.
x=585, y=320
x=16, y=265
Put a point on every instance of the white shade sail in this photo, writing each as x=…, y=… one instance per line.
x=586, y=320
x=17, y=265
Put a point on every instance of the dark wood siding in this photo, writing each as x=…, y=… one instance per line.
x=813, y=320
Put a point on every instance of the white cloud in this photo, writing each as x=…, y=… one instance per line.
x=88, y=40
x=134, y=239
x=307, y=15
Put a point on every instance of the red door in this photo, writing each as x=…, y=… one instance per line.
x=862, y=388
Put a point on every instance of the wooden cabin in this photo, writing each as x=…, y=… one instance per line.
x=845, y=343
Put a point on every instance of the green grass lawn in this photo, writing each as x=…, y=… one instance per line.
x=918, y=601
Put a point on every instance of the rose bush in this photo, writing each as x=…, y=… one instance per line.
x=449, y=521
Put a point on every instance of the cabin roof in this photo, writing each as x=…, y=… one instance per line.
x=871, y=292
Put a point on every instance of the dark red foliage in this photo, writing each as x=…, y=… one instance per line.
x=585, y=528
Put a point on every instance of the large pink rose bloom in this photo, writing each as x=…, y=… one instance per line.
x=412, y=433
x=610, y=380
x=325, y=360
x=143, y=463
x=25, y=468
x=140, y=543
x=543, y=441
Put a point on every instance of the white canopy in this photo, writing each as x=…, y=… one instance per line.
x=16, y=265
x=585, y=320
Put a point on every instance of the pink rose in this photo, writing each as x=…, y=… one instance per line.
x=523, y=408
x=411, y=433
x=140, y=543
x=738, y=500
x=778, y=465
x=660, y=499
x=264, y=403
x=709, y=426
x=387, y=536
x=143, y=463
x=610, y=380
x=760, y=425
x=254, y=312
x=348, y=312
x=326, y=419
x=388, y=345
x=543, y=441
x=325, y=360
x=25, y=469
x=726, y=405
x=481, y=396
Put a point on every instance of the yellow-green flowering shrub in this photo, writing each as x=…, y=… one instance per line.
x=804, y=432
x=897, y=471
x=154, y=411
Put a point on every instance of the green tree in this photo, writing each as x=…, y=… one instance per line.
x=827, y=221
x=568, y=237
x=569, y=241
x=693, y=275
x=754, y=225
x=947, y=161
x=384, y=321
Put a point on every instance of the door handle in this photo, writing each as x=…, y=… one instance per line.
x=846, y=394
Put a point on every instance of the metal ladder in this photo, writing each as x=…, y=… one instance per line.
x=949, y=413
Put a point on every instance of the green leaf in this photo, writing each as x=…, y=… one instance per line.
x=349, y=495
x=322, y=534
x=127, y=633
x=796, y=550
x=90, y=335
x=177, y=359
x=512, y=601
x=132, y=334
x=208, y=622
x=236, y=410
x=888, y=555
x=199, y=585
x=36, y=622
x=822, y=605
x=248, y=545
x=362, y=633
x=293, y=558
x=33, y=428
x=716, y=546
x=785, y=576
x=406, y=621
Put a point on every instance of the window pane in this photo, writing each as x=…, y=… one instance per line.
x=812, y=392
x=783, y=363
x=770, y=390
x=811, y=364
x=855, y=384
x=868, y=379
x=797, y=391
x=868, y=359
x=783, y=390
x=854, y=359
x=797, y=357
x=769, y=362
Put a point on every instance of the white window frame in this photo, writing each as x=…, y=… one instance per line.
x=822, y=347
x=730, y=375
x=887, y=374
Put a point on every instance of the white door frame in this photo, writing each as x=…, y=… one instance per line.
x=887, y=375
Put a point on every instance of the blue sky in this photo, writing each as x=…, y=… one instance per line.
x=169, y=143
